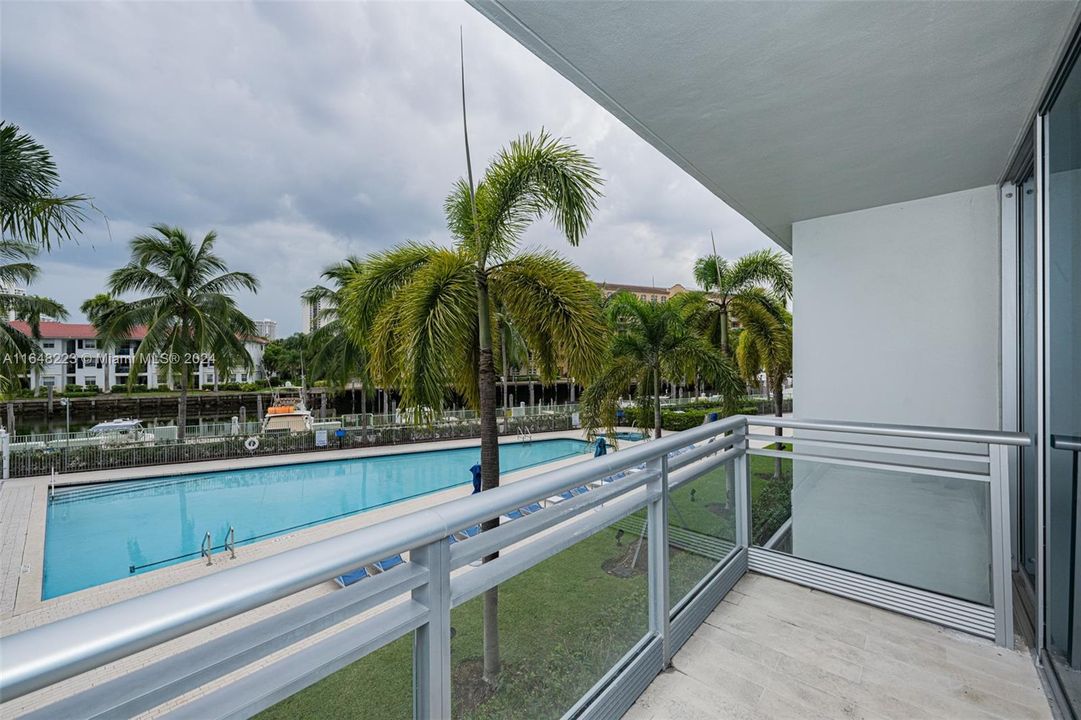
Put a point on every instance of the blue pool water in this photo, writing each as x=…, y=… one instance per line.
x=96, y=534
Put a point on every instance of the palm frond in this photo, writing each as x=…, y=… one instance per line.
x=600, y=401
x=767, y=268
x=534, y=177
x=556, y=309
x=31, y=211
x=382, y=275
x=439, y=313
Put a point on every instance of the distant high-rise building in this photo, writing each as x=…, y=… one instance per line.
x=309, y=320
x=10, y=290
x=266, y=328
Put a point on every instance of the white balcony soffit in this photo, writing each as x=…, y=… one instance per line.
x=795, y=110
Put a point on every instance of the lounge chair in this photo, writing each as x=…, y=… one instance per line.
x=355, y=576
x=522, y=511
x=464, y=534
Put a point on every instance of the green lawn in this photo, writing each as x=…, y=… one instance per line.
x=563, y=623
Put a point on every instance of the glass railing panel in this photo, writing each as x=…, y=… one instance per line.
x=379, y=686
x=563, y=624
x=771, y=499
x=918, y=528
x=701, y=529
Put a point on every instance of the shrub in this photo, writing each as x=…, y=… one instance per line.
x=80, y=390
x=123, y=388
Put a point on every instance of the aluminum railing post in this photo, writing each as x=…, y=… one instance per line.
x=431, y=641
x=741, y=471
x=1001, y=576
x=5, y=450
x=657, y=513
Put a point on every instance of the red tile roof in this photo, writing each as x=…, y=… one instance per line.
x=86, y=331
x=70, y=331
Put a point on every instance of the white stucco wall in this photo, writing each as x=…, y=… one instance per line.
x=897, y=315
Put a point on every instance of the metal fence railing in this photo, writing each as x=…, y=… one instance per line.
x=47, y=453
x=36, y=460
x=647, y=490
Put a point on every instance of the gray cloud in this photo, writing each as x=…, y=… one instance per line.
x=302, y=132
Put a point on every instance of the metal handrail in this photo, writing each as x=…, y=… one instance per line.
x=995, y=437
x=207, y=549
x=39, y=657
x=1066, y=442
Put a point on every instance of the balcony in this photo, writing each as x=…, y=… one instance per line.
x=857, y=570
x=786, y=651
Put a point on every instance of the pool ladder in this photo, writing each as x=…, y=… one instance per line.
x=525, y=434
x=207, y=548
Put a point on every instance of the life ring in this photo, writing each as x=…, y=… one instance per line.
x=252, y=443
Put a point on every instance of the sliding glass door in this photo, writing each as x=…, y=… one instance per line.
x=1062, y=201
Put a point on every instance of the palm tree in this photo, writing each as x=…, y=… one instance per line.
x=652, y=340
x=428, y=313
x=186, y=307
x=766, y=344
x=335, y=354
x=97, y=310
x=19, y=354
x=513, y=352
x=734, y=287
x=30, y=209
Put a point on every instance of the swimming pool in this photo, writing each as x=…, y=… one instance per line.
x=95, y=534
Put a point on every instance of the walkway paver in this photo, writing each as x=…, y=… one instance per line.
x=773, y=649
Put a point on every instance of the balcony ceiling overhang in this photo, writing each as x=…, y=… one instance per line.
x=795, y=110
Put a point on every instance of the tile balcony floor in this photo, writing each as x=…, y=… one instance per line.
x=773, y=649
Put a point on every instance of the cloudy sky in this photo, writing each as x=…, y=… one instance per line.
x=303, y=132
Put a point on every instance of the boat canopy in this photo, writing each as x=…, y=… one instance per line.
x=118, y=425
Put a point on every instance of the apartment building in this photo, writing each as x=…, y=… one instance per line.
x=73, y=354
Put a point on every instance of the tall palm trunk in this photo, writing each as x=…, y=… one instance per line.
x=724, y=330
x=506, y=369
x=489, y=468
x=656, y=403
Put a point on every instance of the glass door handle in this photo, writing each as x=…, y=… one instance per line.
x=1066, y=442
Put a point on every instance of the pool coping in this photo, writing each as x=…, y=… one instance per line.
x=30, y=610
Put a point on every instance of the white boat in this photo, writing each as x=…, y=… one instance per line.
x=121, y=430
x=287, y=415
